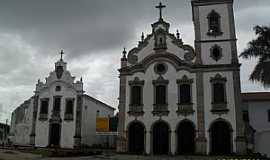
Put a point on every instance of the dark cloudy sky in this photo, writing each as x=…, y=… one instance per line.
x=92, y=33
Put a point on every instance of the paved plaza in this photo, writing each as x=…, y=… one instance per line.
x=17, y=155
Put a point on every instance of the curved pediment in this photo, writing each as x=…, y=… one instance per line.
x=173, y=45
x=58, y=82
x=62, y=76
x=142, y=66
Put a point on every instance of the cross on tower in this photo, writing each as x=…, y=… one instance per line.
x=160, y=7
x=62, y=52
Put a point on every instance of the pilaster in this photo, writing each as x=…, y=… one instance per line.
x=147, y=143
x=173, y=143
x=34, y=120
x=240, y=140
x=201, y=141
x=232, y=34
x=122, y=138
x=196, y=21
x=78, y=123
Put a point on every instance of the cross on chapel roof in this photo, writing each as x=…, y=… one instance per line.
x=61, y=53
x=160, y=7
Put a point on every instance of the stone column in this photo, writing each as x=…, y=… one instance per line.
x=78, y=124
x=240, y=140
x=147, y=143
x=34, y=120
x=173, y=143
x=201, y=142
x=122, y=138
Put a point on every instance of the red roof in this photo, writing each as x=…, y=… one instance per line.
x=255, y=96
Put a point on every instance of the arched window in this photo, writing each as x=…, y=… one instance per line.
x=136, y=95
x=219, y=93
x=185, y=105
x=160, y=94
x=57, y=104
x=218, y=89
x=69, y=106
x=214, y=24
x=219, y=98
x=44, y=106
x=185, y=93
x=160, y=97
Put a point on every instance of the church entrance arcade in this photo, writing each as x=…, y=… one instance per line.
x=160, y=138
x=136, y=138
x=220, y=138
x=185, y=138
x=54, y=135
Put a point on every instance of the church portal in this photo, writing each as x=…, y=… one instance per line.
x=185, y=138
x=220, y=137
x=160, y=138
x=55, y=134
x=136, y=138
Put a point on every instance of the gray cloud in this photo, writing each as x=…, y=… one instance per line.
x=92, y=33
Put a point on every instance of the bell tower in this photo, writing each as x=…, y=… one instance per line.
x=215, y=39
x=215, y=45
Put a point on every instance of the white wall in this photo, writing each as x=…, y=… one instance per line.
x=42, y=127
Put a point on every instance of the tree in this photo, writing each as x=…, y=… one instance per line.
x=260, y=48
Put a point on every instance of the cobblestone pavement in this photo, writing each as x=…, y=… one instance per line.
x=16, y=155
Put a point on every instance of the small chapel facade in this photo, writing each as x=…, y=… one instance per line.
x=176, y=99
x=59, y=114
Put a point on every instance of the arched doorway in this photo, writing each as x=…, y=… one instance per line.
x=220, y=138
x=185, y=138
x=160, y=133
x=55, y=134
x=136, y=138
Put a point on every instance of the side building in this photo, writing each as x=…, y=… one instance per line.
x=256, y=109
x=21, y=120
x=58, y=114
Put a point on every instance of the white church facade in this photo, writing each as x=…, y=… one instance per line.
x=176, y=99
x=58, y=114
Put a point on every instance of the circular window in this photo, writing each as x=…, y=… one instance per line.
x=160, y=68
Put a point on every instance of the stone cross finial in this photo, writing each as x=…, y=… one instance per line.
x=177, y=34
x=160, y=7
x=124, y=53
x=62, y=52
